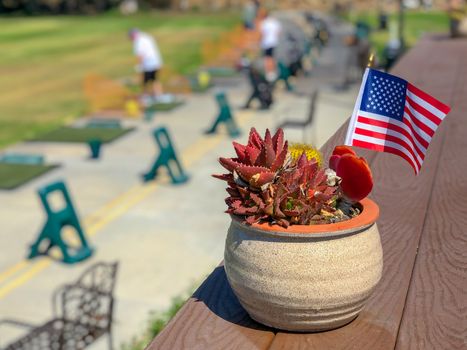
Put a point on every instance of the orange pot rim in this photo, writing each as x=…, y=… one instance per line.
x=368, y=216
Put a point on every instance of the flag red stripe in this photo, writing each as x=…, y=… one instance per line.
x=423, y=111
x=419, y=123
x=392, y=138
x=380, y=148
x=420, y=139
x=398, y=129
x=431, y=100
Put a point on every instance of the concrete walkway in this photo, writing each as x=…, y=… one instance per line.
x=166, y=238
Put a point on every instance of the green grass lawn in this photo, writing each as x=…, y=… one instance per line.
x=44, y=59
x=416, y=24
x=14, y=175
x=83, y=135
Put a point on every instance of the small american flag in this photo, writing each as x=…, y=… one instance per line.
x=391, y=115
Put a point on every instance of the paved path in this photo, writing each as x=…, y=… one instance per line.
x=166, y=238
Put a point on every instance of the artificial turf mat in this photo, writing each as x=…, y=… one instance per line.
x=14, y=175
x=200, y=89
x=69, y=134
x=163, y=107
x=221, y=72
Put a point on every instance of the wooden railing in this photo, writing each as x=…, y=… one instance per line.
x=420, y=302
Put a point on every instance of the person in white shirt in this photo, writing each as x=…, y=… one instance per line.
x=150, y=60
x=270, y=29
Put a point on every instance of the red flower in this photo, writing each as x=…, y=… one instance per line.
x=355, y=173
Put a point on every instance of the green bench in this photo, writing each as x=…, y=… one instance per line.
x=50, y=235
x=167, y=158
x=225, y=116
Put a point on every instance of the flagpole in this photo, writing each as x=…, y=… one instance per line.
x=371, y=60
x=353, y=118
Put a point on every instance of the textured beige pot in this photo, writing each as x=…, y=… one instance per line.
x=305, y=278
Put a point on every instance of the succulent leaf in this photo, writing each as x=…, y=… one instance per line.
x=257, y=200
x=254, y=139
x=302, y=160
x=229, y=163
x=261, y=179
x=267, y=156
x=252, y=154
x=280, y=159
x=233, y=192
x=224, y=177
x=278, y=141
x=240, y=150
x=248, y=171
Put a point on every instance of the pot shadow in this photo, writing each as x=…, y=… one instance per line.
x=217, y=295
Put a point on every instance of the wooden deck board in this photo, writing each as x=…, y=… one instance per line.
x=400, y=225
x=436, y=307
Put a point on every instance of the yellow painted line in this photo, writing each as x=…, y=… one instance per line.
x=38, y=266
x=92, y=230
x=194, y=153
x=108, y=206
x=12, y=270
x=121, y=210
x=120, y=205
x=23, y=278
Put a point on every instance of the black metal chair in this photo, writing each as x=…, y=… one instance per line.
x=303, y=124
x=86, y=314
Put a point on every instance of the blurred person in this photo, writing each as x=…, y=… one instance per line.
x=358, y=53
x=128, y=7
x=457, y=16
x=249, y=15
x=257, y=6
x=270, y=29
x=150, y=61
x=295, y=55
x=392, y=51
x=362, y=35
x=261, y=89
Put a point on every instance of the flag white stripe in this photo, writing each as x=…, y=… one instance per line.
x=380, y=142
x=421, y=117
x=418, y=131
x=392, y=133
x=426, y=105
x=402, y=125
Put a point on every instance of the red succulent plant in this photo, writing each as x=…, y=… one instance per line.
x=266, y=184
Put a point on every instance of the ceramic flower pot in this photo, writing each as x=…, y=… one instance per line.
x=305, y=278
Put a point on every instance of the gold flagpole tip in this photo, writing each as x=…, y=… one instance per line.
x=370, y=60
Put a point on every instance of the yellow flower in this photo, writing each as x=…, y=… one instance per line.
x=297, y=149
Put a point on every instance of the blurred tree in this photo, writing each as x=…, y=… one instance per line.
x=38, y=7
x=160, y=4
